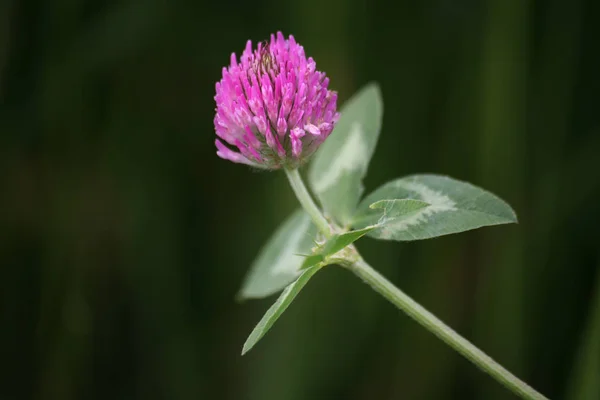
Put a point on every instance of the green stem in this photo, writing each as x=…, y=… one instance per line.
x=413, y=309
x=441, y=330
x=307, y=201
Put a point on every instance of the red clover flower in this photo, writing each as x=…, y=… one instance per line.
x=273, y=106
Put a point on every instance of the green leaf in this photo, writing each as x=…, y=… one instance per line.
x=282, y=303
x=338, y=242
x=384, y=211
x=454, y=206
x=311, y=260
x=279, y=261
x=335, y=244
x=338, y=168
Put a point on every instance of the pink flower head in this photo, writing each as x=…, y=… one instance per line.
x=273, y=107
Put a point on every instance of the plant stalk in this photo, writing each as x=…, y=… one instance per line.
x=433, y=324
x=307, y=202
x=413, y=309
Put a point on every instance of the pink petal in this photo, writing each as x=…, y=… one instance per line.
x=295, y=136
x=312, y=129
x=227, y=154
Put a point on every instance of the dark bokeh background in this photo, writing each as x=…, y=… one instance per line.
x=123, y=238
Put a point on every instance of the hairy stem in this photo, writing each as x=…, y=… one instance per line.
x=414, y=310
x=307, y=202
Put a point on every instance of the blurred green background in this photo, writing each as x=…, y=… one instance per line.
x=123, y=238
